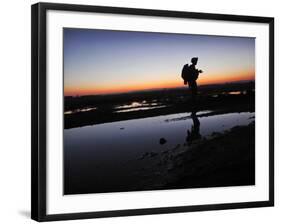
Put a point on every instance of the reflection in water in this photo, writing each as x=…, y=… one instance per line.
x=133, y=104
x=188, y=116
x=194, y=134
x=230, y=93
x=130, y=138
x=139, y=109
x=137, y=106
x=234, y=93
x=97, y=158
x=87, y=109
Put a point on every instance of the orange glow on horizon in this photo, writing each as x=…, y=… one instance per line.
x=204, y=79
x=220, y=78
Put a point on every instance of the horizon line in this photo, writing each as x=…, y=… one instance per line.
x=160, y=88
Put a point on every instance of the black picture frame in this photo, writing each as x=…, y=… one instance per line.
x=38, y=108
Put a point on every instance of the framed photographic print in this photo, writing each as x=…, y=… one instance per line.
x=139, y=111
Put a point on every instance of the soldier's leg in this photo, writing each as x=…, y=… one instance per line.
x=193, y=86
x=194, y=96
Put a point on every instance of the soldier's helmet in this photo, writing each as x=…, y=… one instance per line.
x=194, y=60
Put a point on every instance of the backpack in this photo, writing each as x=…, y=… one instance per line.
x=186, y=74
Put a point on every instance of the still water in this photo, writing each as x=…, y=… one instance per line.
x=104, y=155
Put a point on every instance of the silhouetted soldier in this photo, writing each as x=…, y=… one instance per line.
x=190, y=75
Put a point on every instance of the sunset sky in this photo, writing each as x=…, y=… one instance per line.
x=103, y=61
